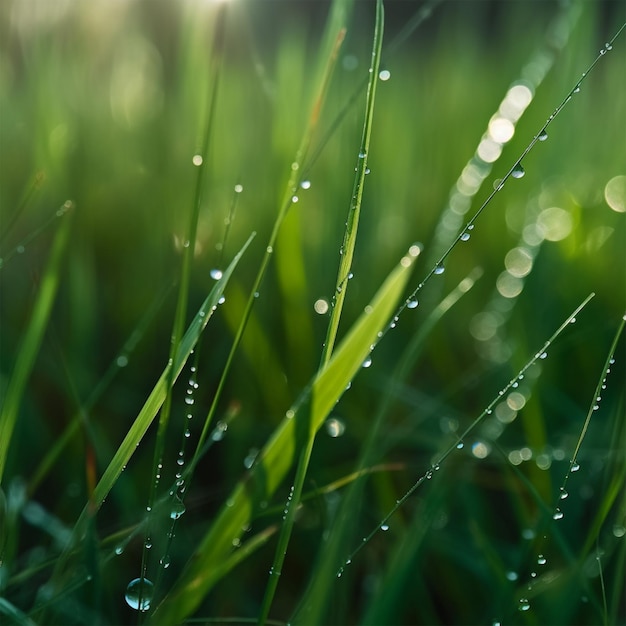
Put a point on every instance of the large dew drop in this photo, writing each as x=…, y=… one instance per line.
x=139, y=594
x=518, y=171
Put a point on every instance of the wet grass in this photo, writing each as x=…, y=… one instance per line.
x=176, y=413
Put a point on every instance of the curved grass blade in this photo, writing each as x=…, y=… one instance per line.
x=345, y=266
x=307, y=415
x=32, y=341
x=318, y=596
x=150, y=408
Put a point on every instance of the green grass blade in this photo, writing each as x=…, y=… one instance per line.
x=307, y=415
x=345, y=266
x=32, y=341
x=152, y=405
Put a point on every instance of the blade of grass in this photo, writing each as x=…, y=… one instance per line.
x=318, y=595
x=189, y=247
x=277, y=457
x=442, y=457
x=149, y=409
x=32, y=341
x=345, y=265
x=335, y=33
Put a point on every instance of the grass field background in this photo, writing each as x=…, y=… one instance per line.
x=103, y=106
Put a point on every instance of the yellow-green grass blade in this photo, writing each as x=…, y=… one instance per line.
x=32, y=341
x=307, y=415
x=152, y=405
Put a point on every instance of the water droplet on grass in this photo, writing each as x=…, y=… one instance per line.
x=575, y=467
x=465, y=236
x=541, y=560
x=558, y=514
x=524, y=604
x=543, y=135
x=384, y=75
x=440, y=269
x=367, y=362
x=197, y=160
x=577, y=89
x=305, y=184
x=178, y=508
x=139, y=594
x=215, y=274
x=412, y=303
x=384, y=527
x=518, y=171
x=563, y=495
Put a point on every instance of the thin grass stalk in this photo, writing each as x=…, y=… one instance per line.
x=345, y=266
x=310, y=609
x=32, y=340
x=487, y=411
x=189, y=246
x=145, y=417
x=285, y=205
x=517, y=169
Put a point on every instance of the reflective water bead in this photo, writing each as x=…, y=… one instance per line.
x=575, y=467
x=178, y=508
x=139, y=594
x=412, y=303
x=518, y=171
x=543, y=135
x=558, y=514
x=465, y=236
x=440, y=269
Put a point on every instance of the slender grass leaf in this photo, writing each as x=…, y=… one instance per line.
x=152, y=404
x=308, y=414
x=32, y=341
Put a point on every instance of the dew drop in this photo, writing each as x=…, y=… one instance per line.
x=524, y=604
x=165, y=561
x=563, y=495
x=362, y=155
x=384, y=527
x=558, y=514
x=119, y=550
x=178, y=508
x=465, y=236
x=294, y=199
x=216, y=274
x=305, y=184
x=512, y=576
x=541, y=560
x=459, y=446
x=384, y=75
x=543, y=135
x=575, y=467
x=518, y=171
x=139, y=594
x=440, y=269
x=197, y=160
x=412, y=303
x=238, y=188
x=577, y=89
x=367, y=362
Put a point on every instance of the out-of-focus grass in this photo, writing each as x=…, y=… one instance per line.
x=106, y=102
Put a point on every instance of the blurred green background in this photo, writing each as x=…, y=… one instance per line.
x=103, y=103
